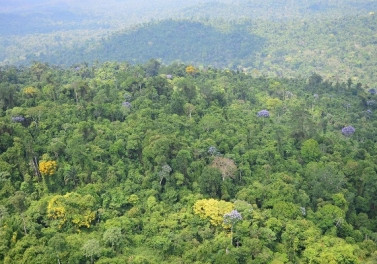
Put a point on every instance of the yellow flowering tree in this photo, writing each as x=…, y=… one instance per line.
x=72, y=208
x=30, y=91
x=213, y=210
x=48, y=167
x=191, y=70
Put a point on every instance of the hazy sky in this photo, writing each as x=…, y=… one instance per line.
x=92, y=5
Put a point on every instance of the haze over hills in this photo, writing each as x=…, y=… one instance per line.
x=169, y=41
x=48, y=16
x=54, y=15
x=68, y=32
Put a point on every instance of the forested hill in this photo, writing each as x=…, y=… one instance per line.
x=277, y=10
x=52, y=16
x=115, y=163
x=337, y=48
x=170, y=41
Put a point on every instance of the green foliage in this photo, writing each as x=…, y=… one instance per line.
x=310, y=150
x=91, y=249
x=323, y=180
x=292, y=47
x=210, y=182
x=113, y=236
x=331, y=250
x=72, y=208
x=135, y=186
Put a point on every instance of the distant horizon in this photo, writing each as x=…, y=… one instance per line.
x=65, y=31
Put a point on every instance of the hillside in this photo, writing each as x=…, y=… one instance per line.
x=53, y=16
x=337, y=48
x=169, y=41
x=114, y=163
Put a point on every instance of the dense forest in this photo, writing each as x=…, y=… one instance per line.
x=170, y=41
x=152, y=163
x=337, y=48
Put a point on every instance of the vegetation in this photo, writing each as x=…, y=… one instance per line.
x=171, y=41
x=121, y=163
x=337, y=48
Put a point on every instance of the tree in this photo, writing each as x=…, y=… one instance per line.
x=19, y=203
x=72, y=208
x=31, y=93
x=348, y=131
x=7, y=95
x=297, y=235
x=210, y=122
x=263, y=113
x=232, y=219
x=329, y=216
x=210, y=182
x=91, y=249
x=226, y=166
x=189, y=109
x=314, y=81
x=191, y=70
x=286, y=210
x=156, y=150
x=212, y=209
x=59, y=246
x=331, y=250
x=182, y=161
x=152, y=67
x=113, y=236
x=47, y=167
x=310, y=150
x=3, y=213
x=160, y=85
x=38, y=69
x=323, y=180
x=187, y=88
x=177, y=103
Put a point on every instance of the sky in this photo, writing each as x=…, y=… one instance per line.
x=92, y=5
